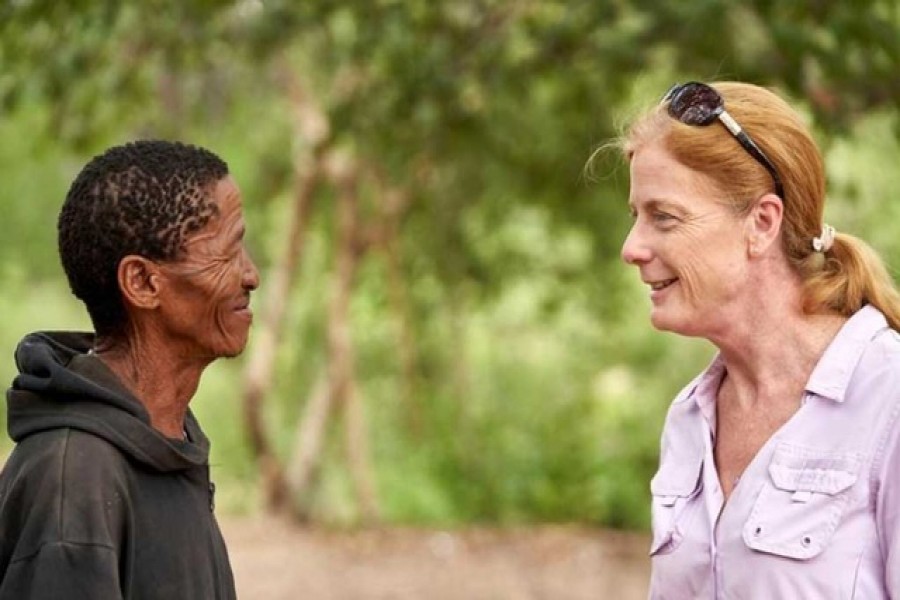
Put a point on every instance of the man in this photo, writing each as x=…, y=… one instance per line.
x=107, y=492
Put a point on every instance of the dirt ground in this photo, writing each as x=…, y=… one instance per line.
x=274, y=560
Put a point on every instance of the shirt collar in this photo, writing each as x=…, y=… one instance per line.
x=832, y=374
x=705, y=389
x=829, y=378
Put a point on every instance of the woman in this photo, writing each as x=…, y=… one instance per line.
x=779, y=474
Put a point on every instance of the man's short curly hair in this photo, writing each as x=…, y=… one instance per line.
x=143, y=198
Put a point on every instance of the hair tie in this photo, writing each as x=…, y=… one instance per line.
x=825, y=241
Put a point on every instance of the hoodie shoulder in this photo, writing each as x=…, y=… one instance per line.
x=62, y=485
x=61, y=386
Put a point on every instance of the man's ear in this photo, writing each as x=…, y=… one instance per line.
x=139, y=282
x=764, y=224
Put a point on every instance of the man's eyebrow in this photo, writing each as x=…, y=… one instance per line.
x=238, y=235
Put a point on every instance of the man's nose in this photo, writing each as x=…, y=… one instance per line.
x=250, y=274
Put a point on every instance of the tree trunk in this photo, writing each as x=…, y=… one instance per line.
x=309, y=442
x=258, y=377
x=395, y=204
x=339, y=389
x=311, y=125
x=350, y=245
x=359, y=455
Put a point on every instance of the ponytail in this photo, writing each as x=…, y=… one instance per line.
x=846, y=278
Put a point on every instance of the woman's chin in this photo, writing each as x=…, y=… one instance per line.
x=665, y=321
x=660, y=320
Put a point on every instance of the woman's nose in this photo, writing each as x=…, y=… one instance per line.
x=634, y=249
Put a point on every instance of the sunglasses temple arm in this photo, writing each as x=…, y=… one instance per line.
x=738, y=132
x=730, y=123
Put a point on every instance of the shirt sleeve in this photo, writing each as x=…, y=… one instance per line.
x=64, y=570
x=888, y=508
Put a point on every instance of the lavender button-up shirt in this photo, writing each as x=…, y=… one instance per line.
x=816, y=514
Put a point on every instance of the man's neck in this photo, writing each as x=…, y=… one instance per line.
x=164, y=384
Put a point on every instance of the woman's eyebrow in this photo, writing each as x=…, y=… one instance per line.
x=655, y=204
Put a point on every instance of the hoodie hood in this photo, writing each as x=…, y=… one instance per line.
x=61, y=385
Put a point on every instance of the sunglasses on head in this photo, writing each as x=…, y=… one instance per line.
x=696, y=103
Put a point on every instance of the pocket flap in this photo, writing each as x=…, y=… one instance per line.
x=800, y=469
x=796, y=514
x=674, y=488
x=664, y=539
x=677, y=480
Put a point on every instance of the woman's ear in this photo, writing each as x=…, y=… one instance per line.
x=139, y=282
x=764, y=224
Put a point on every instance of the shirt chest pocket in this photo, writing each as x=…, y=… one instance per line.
x=801, y=503
x=676, y=490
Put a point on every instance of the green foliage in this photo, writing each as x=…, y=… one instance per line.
x=539, y=387
x=32, y=306
x=864, y=191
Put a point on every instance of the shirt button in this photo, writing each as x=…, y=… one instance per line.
x=757, y=531
x=806, y=541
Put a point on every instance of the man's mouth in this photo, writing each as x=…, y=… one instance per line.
x=243, y=304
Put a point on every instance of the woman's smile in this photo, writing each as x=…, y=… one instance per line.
x=659, y=289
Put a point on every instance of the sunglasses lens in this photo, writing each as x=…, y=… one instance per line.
x=695, y=104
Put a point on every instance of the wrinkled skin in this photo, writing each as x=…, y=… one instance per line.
x=690, y=247
x=205, y=309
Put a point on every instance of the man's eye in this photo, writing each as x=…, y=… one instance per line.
x=662, y=217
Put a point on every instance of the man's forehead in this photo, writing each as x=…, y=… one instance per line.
x=223, y=227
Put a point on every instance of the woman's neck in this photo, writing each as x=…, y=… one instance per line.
x=767, y=356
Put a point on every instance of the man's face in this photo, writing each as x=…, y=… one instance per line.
x=205, y=304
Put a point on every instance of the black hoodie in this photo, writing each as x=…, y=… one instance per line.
x=94, y=502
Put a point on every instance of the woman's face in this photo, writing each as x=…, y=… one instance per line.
x=689, y=246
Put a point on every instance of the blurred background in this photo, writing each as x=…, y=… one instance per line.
x=451, y=377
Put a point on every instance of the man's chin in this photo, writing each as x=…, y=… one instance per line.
x=233, y=352
x=233, y=348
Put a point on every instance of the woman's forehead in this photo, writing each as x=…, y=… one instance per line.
x=655, y=171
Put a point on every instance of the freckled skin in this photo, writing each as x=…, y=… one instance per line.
x=682, y=231
x=209, y=285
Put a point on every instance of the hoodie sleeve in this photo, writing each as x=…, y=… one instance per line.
x=64, y=570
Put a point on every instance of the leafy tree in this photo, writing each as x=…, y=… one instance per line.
x=465, y=126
